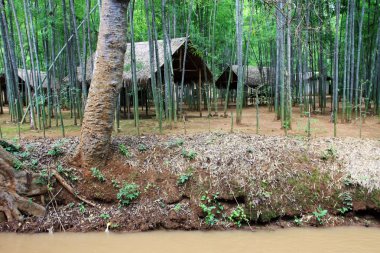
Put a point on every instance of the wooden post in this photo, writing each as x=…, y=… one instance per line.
x=200, y=92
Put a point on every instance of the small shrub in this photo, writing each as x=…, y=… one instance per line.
x=319, y=214
x=124, y=150
x=238, y=216
x=17, y=164
x=127, y=194
x=191, y=154
x=98, y=174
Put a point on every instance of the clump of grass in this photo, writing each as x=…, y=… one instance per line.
x=98, y=174
x=127, y=194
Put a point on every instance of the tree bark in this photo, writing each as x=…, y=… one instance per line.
x=108, y=70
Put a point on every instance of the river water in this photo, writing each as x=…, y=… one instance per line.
x=321, y=240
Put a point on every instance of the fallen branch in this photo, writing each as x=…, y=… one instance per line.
x=70, y=189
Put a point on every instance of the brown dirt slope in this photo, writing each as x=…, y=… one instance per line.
x=208, y=181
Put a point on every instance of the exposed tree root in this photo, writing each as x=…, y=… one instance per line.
x=63, y=182
x=11, y=203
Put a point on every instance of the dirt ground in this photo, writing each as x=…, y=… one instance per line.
x=268, y=126
x=206, y=181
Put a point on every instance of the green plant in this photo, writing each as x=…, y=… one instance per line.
x=142, y=148
x=177, y=207
x=183, y=178
x=56, y=149
x=67, y=173
x=175, y=143
x=329, y=153
x=98, y=174
x=319, y=214
x=347, y=202
x=17, y=164
x=238, y=216
x=105, y=216
x=124, y=150
x=82, y=208
x=128, y=193
x=211, y=208
x=298, y=221
x=191, y=154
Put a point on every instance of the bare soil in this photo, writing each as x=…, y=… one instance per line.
x=321, y=125
x=272, y=179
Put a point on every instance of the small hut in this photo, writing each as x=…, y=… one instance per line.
x=312, y=83
x=253, y=77
x=22, y=76
x=196, y=70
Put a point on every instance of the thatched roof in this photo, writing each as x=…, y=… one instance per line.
x=310, y=76
x=143, y=62
x=22, y=74
x=251, y=74
x=33, y=78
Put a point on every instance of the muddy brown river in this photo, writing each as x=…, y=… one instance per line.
x=336, y=240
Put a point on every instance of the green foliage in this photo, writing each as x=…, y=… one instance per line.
x=56, y=149
x=142, y=148
x=183, y=178
x=82, y=208
x=17, y=164
x=319, y=214
x=67, y=173
x=191, y=154
x=329, y=153
x=298, y=221
x=347, y=202
x=124, y=150
x=238, y=216
x=175, y=143
x=98, y=174
x=211, y=208
x=177, y=207
x=105, y=216
x=128, y=193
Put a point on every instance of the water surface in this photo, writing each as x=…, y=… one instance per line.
x=321, y=240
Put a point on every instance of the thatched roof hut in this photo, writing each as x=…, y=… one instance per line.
x=252, y=75
x=22, y=74
x=195, y=68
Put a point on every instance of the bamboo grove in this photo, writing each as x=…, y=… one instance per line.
x=320, y=56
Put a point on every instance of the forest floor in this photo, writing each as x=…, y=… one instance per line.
x=268, y=125
x=207, y=181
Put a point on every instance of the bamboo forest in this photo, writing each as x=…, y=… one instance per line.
x=123, y=116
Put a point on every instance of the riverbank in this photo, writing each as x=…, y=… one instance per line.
x=207, y=181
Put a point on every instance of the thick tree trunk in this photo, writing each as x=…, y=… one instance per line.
x=108, y=70
x=13, y=184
